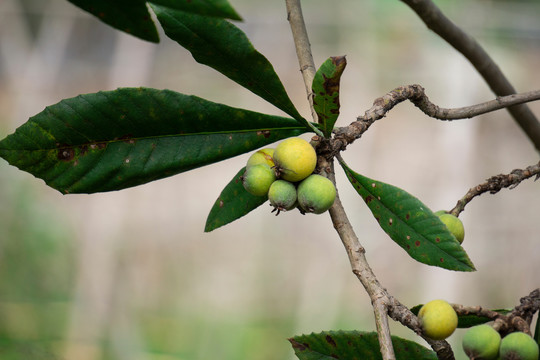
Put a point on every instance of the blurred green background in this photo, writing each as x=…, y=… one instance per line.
x=131, y=274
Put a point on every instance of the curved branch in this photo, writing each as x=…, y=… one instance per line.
x=416, y=94
x=495, y=183
x=479, y=58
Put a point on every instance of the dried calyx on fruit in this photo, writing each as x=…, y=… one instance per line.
x=316, y=194
x=282, y=196
x=295, y=159
x=518, y=346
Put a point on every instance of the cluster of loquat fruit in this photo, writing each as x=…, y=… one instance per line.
x=285, y=175
x=480, y=342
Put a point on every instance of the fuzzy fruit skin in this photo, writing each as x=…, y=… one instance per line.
x=316, y=194
x=263, y=156
x=295, y=159
x=258, y=178
x=518, y=346
x=481, y=342
x=282, y=195
x=453, y=224
x=439, y=320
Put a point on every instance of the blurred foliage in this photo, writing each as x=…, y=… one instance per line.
x=36, y=274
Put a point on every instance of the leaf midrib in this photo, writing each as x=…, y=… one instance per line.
x=107, y=142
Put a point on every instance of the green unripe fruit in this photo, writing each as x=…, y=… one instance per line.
x=518, y=346
x=282, y=195
x=481, y=342
x=258, y=178
x=454, y=225
x=295, y=159
x=439, y=319
x=316, y=194
x=263, y=156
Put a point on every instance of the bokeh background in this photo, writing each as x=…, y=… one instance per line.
x=131, y=274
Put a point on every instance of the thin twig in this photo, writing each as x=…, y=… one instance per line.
x=463, y=310
x=495, y=183
x=519, y=319
x=303, y=48
x=435, y=20
x=416, y=94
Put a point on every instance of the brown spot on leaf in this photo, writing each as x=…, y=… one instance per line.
x=417, y=243
x=438, y=240
x=390, y=221
x=330, y=341
x=127, y=139
x=408, y=216
x=265, y=133
x=441, y=260
x=368, y=199
x=99, y=146
x=66, y=154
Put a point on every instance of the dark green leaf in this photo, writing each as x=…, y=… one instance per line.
x=326, y=92
x=216, y=8
x=233, y=203
x=112, y=140
x=354, y=345
x=224, y=47
x=411, y=224
x=467, y=321
x=132, y=16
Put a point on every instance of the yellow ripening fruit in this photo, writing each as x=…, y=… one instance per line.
x=295, y=159
x=439, y=319
x=454, y=225
x=262, y=156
